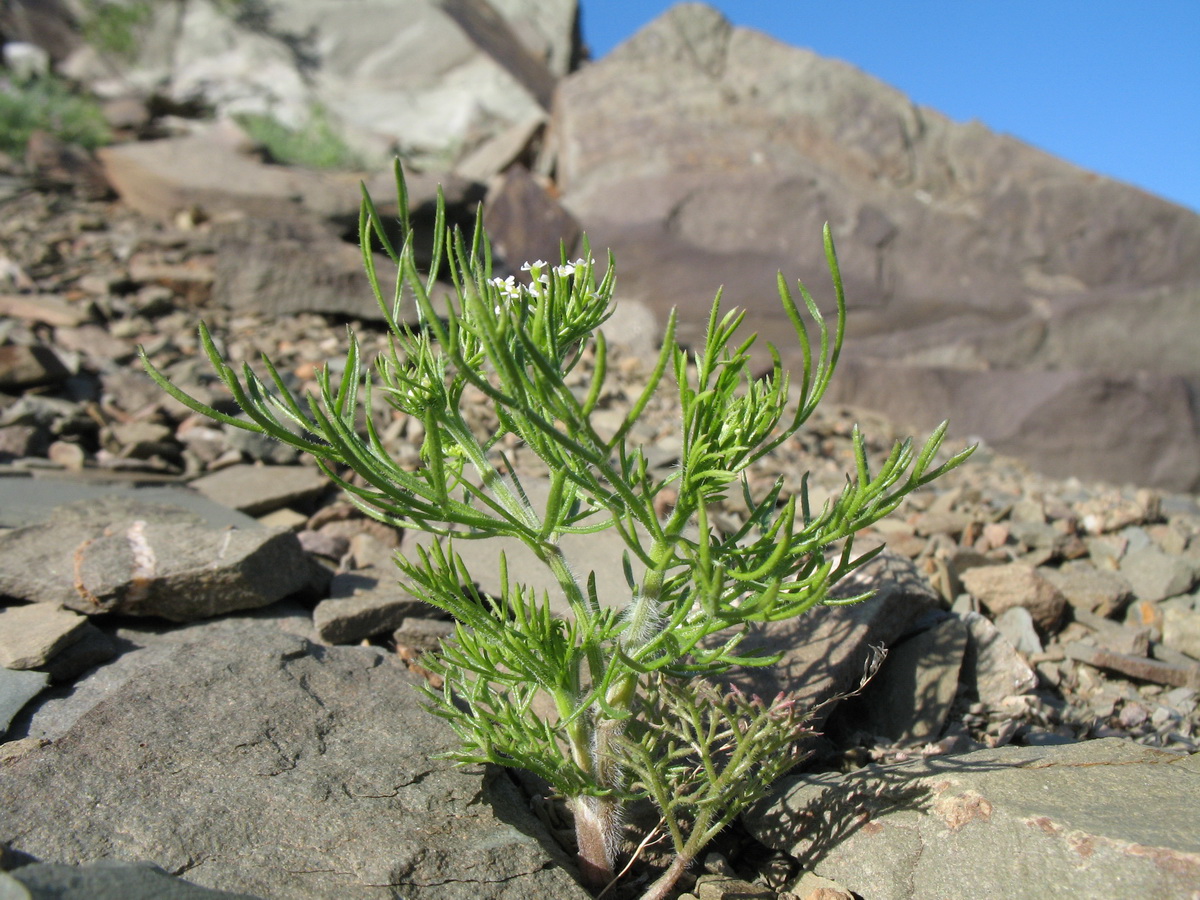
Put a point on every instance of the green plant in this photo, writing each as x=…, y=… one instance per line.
x=317, y=145
x=113, y=27
x=632, y=686
x=48, y=104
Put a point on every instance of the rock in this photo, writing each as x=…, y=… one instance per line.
x=992, y=669
x=93, y=648
x=825, y=650
x=1155, y=575
x=255, y=490
x=29, y=501
x=361, y=606
x=26, y=366
x=525, y=223
x=909, y=699
x=122, y=556
x=212, y=172
x=422, y=634
x=292, y=770
x=26, y=61
x=1016, y=584
x=1016, y=624
x=54, y=163
x=283, y=266
x=1181, y=630
x=1086, y=587
x=17, y=688
x=497, y=153
x=330, y=546
x=1138, y=667
x=1089, y=816
x=31, y=635
x=433, y=79
x=675, y=152
x=724, y=887
x=111, y=880
x=50, y=309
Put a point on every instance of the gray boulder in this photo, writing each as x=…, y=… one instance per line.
x=104, y=880
x=120, y=555
x=293, y=770
x=709, y=155
x=1105, y=818
x=431, y=80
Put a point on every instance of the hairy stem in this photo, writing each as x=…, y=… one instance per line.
x=596, y=823
x=662, y=887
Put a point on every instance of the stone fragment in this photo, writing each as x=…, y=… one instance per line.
x=724, y=887
x=1100, y=591
x=1123, y=638
x=124, y=556
x=331, y=546
x=50, y=309
x=23, y=366
x=17, y=688
x=422, y=634
x=1016, y=584
x=1181, y=630
x=53, y=163
x=501, y=150
x=910, y=697
x=1126, y=810
x=825, y=650
x=68, y=455
x=814, y=887
x=1016, y=624
x=1136, y=666
x=110, y=880
x=992, y=668
x=525, y=223
x=1155, y=575
x=292, y=770
x=92, y=649
x=1113, y=510
x=32, y=634
x=256, y=490
x=362, y=605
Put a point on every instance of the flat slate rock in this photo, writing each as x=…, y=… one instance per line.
x=1105, y=818
x=258, y=762
x=28, y=501
x=105, y=880
x=118, y=555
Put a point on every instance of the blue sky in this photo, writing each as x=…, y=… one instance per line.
x=1111, y=86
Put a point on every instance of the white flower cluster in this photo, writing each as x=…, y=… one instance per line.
x=512, y=291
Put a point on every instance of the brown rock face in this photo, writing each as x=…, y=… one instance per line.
x=706, y=154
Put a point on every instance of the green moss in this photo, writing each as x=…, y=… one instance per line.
x=48, y=104
x=317, y=145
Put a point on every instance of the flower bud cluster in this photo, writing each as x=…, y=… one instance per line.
x=514, y=292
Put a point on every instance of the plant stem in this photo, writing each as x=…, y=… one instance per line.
x=662, y=887
x=596, y=820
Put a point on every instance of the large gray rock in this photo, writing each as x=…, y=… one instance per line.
x=291, y=770
x=106, y=880
x=119, y=555
x=431, y=79
x=1104, y=818
x=709, y=155
x=826, y=650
